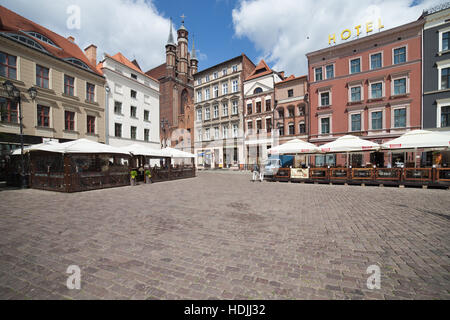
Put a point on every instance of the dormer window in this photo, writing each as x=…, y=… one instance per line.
x=257, y=90
x=25, y=40
x=41, y=37
x=77, y=62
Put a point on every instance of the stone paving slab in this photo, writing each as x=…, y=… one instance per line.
x=221, y=236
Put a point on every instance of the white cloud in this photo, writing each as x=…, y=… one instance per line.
x=285, y=30
x=133, y=27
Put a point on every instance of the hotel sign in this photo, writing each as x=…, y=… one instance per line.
x=347, y=33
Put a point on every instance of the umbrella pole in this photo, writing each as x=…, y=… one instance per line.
x=415, y=160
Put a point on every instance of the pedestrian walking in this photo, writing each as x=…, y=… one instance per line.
x=255, y=172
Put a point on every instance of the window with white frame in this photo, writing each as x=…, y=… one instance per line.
x=445, y=116
x=291, y=128
x=216, y=133
x=199, y=114
x=234, y=107
x=199, y=134
x=355, y=94
x=199, y=81
x=400, y=118
x=400, y=86
x=199, y=96
x=235, y=130
x=216, y=111
x=329, y=70
x=399, y=55
x=225, y=131
x=376, y=90
x=444, y=78
x=225, y=88
x=250, y=127
x=318, y=74
x=235, y=68
x=355, y=120
x=376, y=120
x=224, y=71
x=216, y=91
x=207, y=78
x=207, y=94
x=207, y=134
x=235, y=86
x=355, y=65
x=207, y=114
x=444, y=36
x=301, y=127
x=325, y=98
x=324, y=125
x=376, y=61
x=224, y=109
x=215, y=75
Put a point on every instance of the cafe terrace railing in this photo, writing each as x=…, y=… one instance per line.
x=410, y=176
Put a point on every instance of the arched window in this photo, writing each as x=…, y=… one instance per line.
x=257, y=90
x=184, y=101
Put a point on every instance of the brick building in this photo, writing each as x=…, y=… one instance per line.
x=291, y=114
x=369, y=87
x=177, y=88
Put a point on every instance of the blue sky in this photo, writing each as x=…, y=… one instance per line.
x=280, y=31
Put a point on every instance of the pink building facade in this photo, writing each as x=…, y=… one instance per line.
x=369, y=87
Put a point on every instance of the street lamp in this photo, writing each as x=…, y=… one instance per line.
x=164, y=123
x=14, y=93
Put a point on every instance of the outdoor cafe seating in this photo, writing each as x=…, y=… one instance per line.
x=417, y=158
x=83, y=164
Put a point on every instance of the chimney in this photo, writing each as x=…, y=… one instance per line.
x=71, y=39
x=91, y=54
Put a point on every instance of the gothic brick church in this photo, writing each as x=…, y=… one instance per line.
x=177, y=91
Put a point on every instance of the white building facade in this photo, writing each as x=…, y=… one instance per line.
x=259, y=106
x=218, y=114
x=132, y=104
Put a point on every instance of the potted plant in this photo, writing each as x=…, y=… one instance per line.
x=148, y=176
x=133, y=175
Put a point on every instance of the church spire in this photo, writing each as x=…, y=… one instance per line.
x=170, y=40
x=193, y=54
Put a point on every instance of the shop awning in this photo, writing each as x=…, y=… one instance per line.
x=419, y=139
x=349, y=143
x=294, y=146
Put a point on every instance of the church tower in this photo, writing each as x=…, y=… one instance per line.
x=182, y=68
x=193, y=60
x=176, y=87
x=171, y=52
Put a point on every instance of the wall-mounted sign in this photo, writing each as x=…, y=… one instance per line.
x=347, y=33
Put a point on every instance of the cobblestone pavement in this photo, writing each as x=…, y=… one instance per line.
x=220, y=236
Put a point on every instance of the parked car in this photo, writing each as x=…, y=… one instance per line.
x=273, y=163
